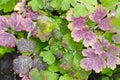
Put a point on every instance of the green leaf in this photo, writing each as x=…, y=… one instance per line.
x=80, y=10
x=48, y=57
x=53, y=68
x=76, y=61
x=73, y=2
x=68, y=42
x=107, y=71
x=3, y=1
x=56, y=4
x=42, y=75
x=35, y=75
x=109, y=4
x=117, y=15
x=68, y=57
x=108, y=36
x=116, y=24
x=105, y=78
x=90, y=8
x=65, y=5
x=65, y=77
x=39, y=45
x=50, y=75
x=91, y=2
x=8, y=6
x=82, y=74
x=4, y=50
x=36, y=4
x=62, y=4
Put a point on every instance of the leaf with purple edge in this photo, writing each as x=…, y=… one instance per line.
x=99, y=14
x=14, y=21
x=7, y=39
x=3, y=23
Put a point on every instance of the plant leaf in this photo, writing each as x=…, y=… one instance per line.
x=37, y=4
x=109, y=4
x=22, y=64
x=7, y=39
x=24, y=45
x=48, y=57
x=80, y=10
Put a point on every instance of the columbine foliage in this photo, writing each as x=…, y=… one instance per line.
x=61, y=39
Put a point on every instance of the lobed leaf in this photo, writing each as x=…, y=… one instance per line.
x=22, y=64
x=48, y=57
x=37, y=4
x=7, y=39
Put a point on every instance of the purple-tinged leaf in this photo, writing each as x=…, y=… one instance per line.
x=75, y=22
x=24, y=45
x=7, y=39
x=111, y=61
x=15, y=21
x=27, y=25
x=86, y=63
x=3, y=23
x=78, y=34
x=22, y=64
x=92, y=61
x=116, y=38
x=112, y=49
x=99, y=64
x=38, y=63
x=89, y=39
x=112, y=53
x=26, y=77
x=104, y=42
x=79, y=21
x=98, y=48
x=88, y=53
x=105, y=24
x=99, y=14
x=30, y=14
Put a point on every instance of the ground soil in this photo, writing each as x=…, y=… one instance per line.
x=6, y=67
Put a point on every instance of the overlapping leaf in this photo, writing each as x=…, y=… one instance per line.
x=3, y=23
x=100, y=55
x=62, y=4
x=7, y=39
x=22, y=64
x=86, y=7
x=14, y=21
x=7, y=5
